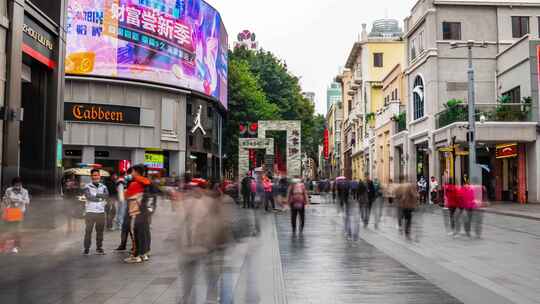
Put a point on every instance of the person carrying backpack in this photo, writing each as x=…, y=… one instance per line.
x=298, y=199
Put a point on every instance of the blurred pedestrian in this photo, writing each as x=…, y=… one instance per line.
x=343, y=190
x=245, y=188
x=137, y=220
x=269, y=203
x=298, y=199
x=434, y=190
x=363, y=200
x=14, y=205
x=407, y=198
x=120, y=186
x=422, y=189
x=354, y=189
x=451, y=198
x=96, y=195
x=110, y=207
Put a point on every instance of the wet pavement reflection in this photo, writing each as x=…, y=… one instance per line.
x=324, y=265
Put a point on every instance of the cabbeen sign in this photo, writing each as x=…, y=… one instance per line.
x=84, y=112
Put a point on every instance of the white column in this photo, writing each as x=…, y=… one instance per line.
x=533, y=165
x=177, y=163
x=137, y=156
x=88, y=155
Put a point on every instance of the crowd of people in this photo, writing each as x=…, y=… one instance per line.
x=126, y=203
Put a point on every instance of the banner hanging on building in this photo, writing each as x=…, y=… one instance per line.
x=325, y=147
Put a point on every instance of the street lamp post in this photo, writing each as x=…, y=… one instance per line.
x=471, y=133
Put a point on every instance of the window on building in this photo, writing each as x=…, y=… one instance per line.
x=378, y=60
x=514, y=94
x=451, y=30
x=420, y=42
x=520, y=26
x=396, y=94
x=413, y=49
x=418, y=98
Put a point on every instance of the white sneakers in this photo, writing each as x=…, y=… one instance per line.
x=133, y=260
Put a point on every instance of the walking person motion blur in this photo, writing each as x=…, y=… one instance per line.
x=120, y=186
x=245, y=188
x=110, y=207
x=269, y=204
x=354, y=189
x=372, y=193
x=434, y=190
x=343, y=189
x=451, y=200
x=406, y=196
x=137, y=220
x=96, y=195
x=353, y=213
x=298, y=199
x=363, y=200
x=422, y=189
x=14, y=206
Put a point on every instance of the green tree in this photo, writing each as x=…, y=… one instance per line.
x=282, y=100
x=247, y=103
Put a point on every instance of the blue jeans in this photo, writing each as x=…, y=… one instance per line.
x=120, y=213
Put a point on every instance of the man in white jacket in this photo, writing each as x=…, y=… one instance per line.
x=96, y=195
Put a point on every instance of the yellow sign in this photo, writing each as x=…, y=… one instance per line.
x=152, y=158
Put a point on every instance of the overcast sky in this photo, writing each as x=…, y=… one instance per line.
x=314, y=37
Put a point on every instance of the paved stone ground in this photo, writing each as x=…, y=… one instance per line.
x=504, y=261
x=322, y=266
x=51, y=269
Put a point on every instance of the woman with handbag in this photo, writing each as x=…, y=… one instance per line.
x=14, y=205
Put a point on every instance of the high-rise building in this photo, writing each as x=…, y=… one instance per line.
x=333, y=94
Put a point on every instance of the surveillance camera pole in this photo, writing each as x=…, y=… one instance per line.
x=472, y=121
x=471, y=134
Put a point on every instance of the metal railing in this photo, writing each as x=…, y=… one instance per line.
x=492, y=112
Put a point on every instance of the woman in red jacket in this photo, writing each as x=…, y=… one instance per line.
x=137, y=214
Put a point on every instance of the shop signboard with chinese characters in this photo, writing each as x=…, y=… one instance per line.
x=506, y=151
x=177, y=43
x=84, y=112
x=154, y=161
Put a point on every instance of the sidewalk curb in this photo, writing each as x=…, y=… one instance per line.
x=280, y=297
x=523, y=216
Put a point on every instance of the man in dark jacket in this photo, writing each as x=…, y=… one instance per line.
x=245, y=188
x=343, y=188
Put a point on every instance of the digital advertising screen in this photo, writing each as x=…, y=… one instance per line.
x=180, y=43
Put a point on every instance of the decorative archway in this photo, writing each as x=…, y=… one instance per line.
x=252, y=143
x=294, y=141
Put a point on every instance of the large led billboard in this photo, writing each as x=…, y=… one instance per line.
x=180, y=43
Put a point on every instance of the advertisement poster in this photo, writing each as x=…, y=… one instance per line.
x=180, y=43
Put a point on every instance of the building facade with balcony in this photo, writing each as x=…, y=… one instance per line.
x=333, y=123
x=345, y=79
x=437, y=85
x=371, y=58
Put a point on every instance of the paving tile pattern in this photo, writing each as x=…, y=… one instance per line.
x=322, y=266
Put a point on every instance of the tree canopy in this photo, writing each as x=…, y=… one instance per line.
x=262, y=88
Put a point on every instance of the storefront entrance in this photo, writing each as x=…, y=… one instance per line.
x=38, y=127
x=422, y=161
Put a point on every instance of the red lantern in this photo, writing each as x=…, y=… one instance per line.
x=253, y=127
x=243, y=129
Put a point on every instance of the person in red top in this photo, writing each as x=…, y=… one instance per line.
x=268, y=196
x=137, y=214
